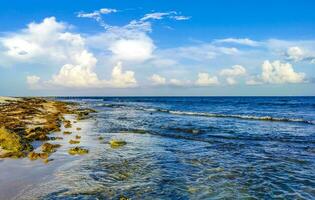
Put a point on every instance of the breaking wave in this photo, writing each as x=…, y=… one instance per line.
x=245, y=117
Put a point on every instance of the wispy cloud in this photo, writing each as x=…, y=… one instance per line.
x=97, y=15
x=240, y=41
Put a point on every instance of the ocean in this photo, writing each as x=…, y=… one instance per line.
x=194, y=148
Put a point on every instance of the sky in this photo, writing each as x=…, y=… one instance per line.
x=157, y=48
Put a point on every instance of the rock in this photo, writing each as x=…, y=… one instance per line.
x=74, y=142
x=117, y=143
x=77, y=137
x=67, y=132
x=100, y=138
x=67, y=124
x=78, y=151
x=50, y=148
x=12, y=144
x=78, y=129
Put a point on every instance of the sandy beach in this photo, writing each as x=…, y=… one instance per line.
x=36, y=138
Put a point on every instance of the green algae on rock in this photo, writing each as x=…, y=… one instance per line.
x=74, y=142
x=50, y=148
x=34, y=156
x=12, y=144
x=67, y=132
x=29, y=119
x=67, y=124
x=84, y=113
x=78, y=151
x=117, y=143
x=100, y=138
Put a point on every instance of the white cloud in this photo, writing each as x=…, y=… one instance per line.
x=204, y=79
x=33, y=81
x=253, y=81
x=199, y=52
x=236, y=70
x=161, y=15
x=138, y=49
x=79, y=75
x=231, y=81
x=181, y=17
x=122, y=79
x=179, y=83
x=97, y=15
x=277, y=73
x=107, y=10
x=156, y=15
x=241, y=41
x=295, y=53
x=36, y=40
x=49, y=40
x=232, y=73
x=157, y=79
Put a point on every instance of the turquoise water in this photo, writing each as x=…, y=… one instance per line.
x=194, y=148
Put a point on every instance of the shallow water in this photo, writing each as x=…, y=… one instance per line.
x=191, y=148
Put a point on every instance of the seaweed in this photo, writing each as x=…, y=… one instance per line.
x=78, y=151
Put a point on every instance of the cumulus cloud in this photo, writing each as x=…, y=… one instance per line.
x=204, y=79
x=232, y=73
x=133, y=49
x=50, y=40
x=236, y=70
x=122, y=79
x=130, y=42
x=277, y=72
x=240, y=41
x=295, y=53
x=80, y=74
x=157, y=79
x=33, y=81
x=38, y=40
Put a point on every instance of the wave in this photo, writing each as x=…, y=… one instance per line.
x=214, y=115
x=245, y=117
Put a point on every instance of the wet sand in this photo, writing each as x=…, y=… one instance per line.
x=18, y=176
x=34, y=123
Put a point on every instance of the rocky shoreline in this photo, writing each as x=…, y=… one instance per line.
x=26, y=120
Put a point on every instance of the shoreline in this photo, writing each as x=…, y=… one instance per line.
x=25, y=121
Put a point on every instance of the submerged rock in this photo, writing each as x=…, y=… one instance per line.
x=74, y=142
x=84, y=113
x=117, y=143
x=100, y=138
x=12, y=144
x=67, y=132
x=67, y=124
x=78, y=151
x=79, y=129
x=34, y=156
x=50, y=148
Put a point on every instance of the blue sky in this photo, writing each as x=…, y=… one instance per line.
x=178, y=47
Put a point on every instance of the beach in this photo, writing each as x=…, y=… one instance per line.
x=173, y=148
